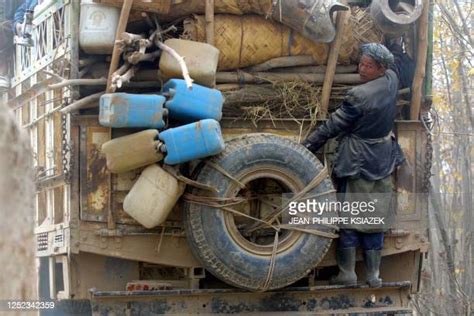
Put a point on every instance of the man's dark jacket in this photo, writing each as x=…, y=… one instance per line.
x=364, y=121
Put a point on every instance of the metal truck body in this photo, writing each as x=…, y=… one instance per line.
x=89, y=249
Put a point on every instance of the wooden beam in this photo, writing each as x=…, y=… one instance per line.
x=420, y=71
x=261, y=77
x=341, y=22
x=122, y=26
x=210, y=21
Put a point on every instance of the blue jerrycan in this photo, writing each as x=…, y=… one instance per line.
x=132, y=110
x=192, y=141
x=193, y=105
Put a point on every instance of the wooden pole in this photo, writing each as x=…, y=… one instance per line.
x=342, y=69
x=341, y=21
x=209, y=21
x=287, y=61
x=420, y=71
x=122, y=25
x=261, y=77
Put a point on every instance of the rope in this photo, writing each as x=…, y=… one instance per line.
x=271, y=267
x=225, y=173
x=226, y=203
x=311, y=231
x=175, y=173
x=213, y=202
x=313, y=184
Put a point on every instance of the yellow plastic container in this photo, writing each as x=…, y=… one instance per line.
x=153, y=196
x=201, y=60
x=132, y=151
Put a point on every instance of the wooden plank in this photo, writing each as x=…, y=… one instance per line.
x=59, y=205
x=341, y=22
x=41, y=155
x=210, y=21
x=41, y=211
x=25, y=116
x=122, y=26
x=58, y=137
x=420, y=71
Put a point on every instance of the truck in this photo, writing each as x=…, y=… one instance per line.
x=96, y=259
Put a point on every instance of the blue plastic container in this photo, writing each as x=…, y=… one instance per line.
x=192, y=105
x=192, y=141
x=132, y=110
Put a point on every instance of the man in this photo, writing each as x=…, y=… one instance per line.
x=366, y=156
x=12, y=13
x=7, y=10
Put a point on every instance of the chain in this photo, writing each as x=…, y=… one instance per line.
x=66, y=150
x=428, y=124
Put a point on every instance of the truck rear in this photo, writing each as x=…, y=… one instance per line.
x=97, y=259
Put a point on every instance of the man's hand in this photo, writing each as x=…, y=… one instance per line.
x=308, y=145
x=19, y=29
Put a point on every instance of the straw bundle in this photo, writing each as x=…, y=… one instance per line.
x=299, y=100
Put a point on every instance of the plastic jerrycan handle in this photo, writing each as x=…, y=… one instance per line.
x=158, y=145
x=170, y=93
x=163, y=149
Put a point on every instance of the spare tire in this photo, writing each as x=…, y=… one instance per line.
x=265, y=164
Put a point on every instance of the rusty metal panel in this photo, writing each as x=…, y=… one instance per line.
x=391, y=298
x=94, y=177
x=411, y=200
x=91, y=271
x=122, y=183
x=287, y=128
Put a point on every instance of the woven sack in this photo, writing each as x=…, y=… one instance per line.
x=250, y=39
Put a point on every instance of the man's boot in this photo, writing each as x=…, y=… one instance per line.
x=346, y=259
x=372, y=260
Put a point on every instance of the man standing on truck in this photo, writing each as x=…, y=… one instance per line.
x=367, y=155
x=12, y=22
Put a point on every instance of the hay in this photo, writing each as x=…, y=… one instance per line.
x=297, y=100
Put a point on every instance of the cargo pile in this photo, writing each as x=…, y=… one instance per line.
x=198, y=135
x=264, y=61
x=257, y=44
x=260, y=60
x=246, y=59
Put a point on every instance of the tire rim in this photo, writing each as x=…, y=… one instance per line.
x=287, y=238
